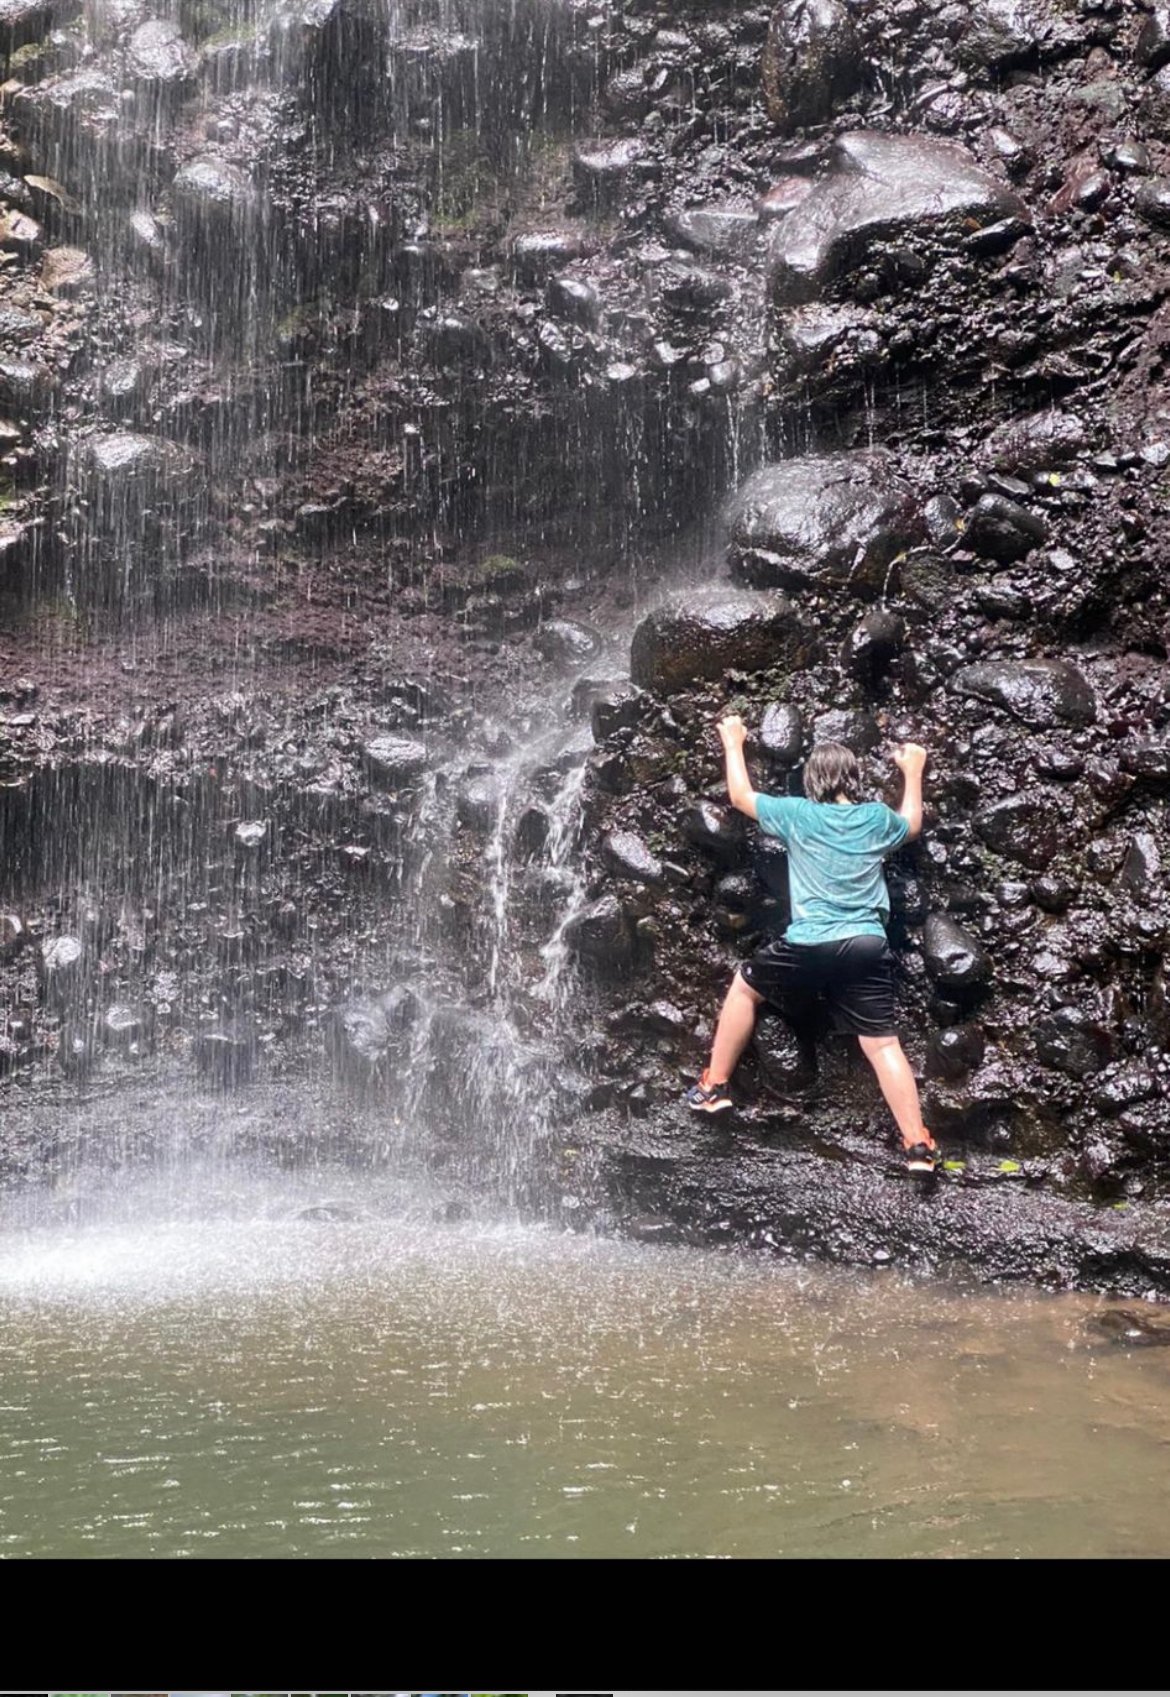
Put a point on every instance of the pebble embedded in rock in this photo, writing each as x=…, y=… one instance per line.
x=250, y=833
x=955, y=1051
x=1152, y=201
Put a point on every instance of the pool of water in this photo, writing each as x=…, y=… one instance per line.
x=197, y=1370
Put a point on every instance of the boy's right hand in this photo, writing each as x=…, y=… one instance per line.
x=910, y=757
x=733, y=731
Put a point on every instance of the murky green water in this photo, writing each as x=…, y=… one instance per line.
x=253, y=1384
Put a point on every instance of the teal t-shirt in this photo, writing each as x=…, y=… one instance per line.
x=835, y=853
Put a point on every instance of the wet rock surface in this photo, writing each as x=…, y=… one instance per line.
x=333, y=435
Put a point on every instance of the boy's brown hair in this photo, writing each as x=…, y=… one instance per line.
x=832, y=770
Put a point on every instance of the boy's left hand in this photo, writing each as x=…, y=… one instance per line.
x=733, y=731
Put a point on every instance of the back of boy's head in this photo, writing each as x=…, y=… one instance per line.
x=832, y=770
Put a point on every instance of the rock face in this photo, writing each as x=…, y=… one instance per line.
x=700, y=634
x=833, y=520
x=878, y=188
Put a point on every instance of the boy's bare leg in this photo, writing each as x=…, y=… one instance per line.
x=737, y=1021
x=886, y=1057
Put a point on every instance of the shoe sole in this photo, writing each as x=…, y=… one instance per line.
x=922, y=1166
x=710, y=1107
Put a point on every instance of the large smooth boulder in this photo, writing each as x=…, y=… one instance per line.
x=699, y=634
x=881, y=187
x=1038, y=692
x=811, y=60
x=826, y=519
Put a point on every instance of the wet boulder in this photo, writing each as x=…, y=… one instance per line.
x=716, y=829
x=158, y=56
x=566, y=641
x=602, y=170
x=629, y=857
x=1141, y=869
x=370, y=1034
x=127, y=1026
x=538, y=253
x=1001, y=529
x=955, y=1051
x=780, y=737
x=1072, y=1040
x=699, y=634
x=1040, y=693
x=78, y=1050
x=1025, y=828
x=954, y=959
x=836, y=520
x=575, y=300
x=62, y=969
x=395, y=760
x=872, y=646
x=477, y=803
x=880, y=187
x=1152, y=201
x=601, y=938
x=65, y=112
x=854, y=728
x=1003, y=34
x=1036, y=442
x=127, y=475
x=730, y=232
x=811, y=336
x=212, y=194
x=66, y=271
x=787, y=1063
x=812, y=60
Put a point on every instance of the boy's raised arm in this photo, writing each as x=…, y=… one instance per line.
x=910, y=759
x=733, y=735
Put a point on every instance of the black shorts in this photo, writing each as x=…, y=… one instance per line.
x=854, y=975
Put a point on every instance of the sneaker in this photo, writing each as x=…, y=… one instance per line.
x=923, y=1158
x=706, y=1098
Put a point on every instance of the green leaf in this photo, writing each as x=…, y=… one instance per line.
x=1010, y=1167
x=954, y=1166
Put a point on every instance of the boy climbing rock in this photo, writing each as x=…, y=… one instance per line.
x=836, y=944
